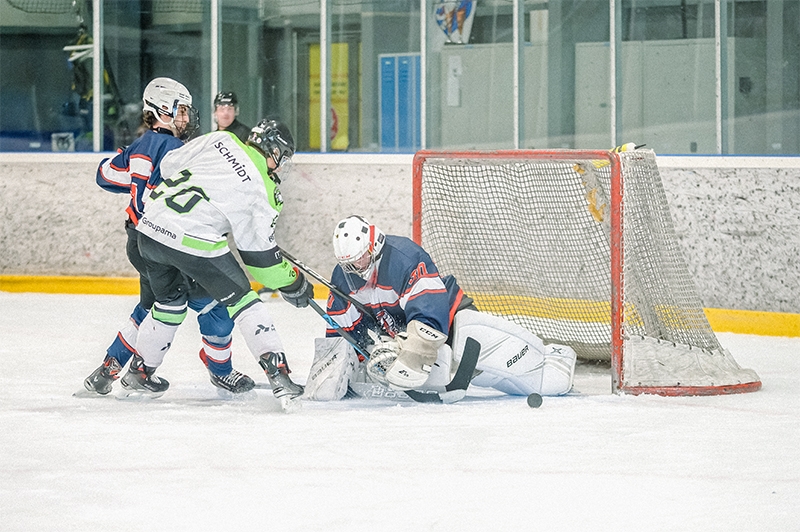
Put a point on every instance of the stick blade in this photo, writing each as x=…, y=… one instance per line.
x=424, y=397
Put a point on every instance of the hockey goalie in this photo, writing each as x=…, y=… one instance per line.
x=398, y=324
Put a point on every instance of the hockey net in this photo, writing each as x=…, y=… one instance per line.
x=579, y=247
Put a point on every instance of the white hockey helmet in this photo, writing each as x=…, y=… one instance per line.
x=163, y=97
x=358, y=245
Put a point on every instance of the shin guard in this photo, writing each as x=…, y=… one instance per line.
x=258, y=330
x=124, y=345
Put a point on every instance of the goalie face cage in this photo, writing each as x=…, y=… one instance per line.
x=548, y=240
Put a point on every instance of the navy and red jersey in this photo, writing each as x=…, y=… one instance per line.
x=407, y=287
x=134, y=170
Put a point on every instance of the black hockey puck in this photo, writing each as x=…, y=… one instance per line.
x=534, y=400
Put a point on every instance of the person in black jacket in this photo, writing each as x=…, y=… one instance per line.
x=226, y=109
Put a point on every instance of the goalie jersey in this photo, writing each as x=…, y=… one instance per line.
x=212, y=187
x=407, y=287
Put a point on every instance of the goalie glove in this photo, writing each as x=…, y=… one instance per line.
x=299, y=292
x=381, y=356
x=419, y=346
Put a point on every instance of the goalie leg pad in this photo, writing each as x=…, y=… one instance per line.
x=512, y=358
x=440, y=375
x=334, y=365
x=559, y=369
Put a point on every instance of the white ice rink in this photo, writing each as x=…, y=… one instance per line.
x=194, y=461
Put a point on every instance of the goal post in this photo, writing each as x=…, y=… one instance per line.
x=579, y=247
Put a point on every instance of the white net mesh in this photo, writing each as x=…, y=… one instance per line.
x=529, y=239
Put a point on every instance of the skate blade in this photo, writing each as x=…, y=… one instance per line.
x=137, y=395
x=83, y=393
x=228, y=395
x=290, y=404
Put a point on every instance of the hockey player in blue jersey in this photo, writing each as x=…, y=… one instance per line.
x=170, y=118
x=414, y=323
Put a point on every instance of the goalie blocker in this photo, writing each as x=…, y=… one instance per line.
x=512, y=360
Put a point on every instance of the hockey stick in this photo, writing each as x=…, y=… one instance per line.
x=344, y=334
x=454, y=391
x=360, y=306
x=458, y=386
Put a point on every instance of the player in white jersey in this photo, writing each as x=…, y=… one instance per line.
x=168, y=113
x=214, y=187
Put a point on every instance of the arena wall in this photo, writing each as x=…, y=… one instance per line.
x=736, y=218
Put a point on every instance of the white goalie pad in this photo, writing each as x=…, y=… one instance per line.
x=440, y=375
x=558, y=370
x=513, y=360
x=334, y=365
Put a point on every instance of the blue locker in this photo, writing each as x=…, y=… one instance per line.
x=400, y=103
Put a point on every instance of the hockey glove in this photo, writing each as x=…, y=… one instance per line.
x=381, y=356
x=299, y=292
x=419, y=345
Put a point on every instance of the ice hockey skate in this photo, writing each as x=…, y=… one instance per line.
x=284, y=389
x=102, y=378
x=140, y=380
x=234, y=382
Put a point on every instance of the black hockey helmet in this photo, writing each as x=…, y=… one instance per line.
x=226, y=98
x=274, y=139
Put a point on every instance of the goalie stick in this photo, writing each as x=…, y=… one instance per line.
x=454, y=391
x=344, y=334
x=458, y=386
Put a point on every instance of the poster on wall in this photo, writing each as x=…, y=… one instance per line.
x=455, y=19
x=338, y=119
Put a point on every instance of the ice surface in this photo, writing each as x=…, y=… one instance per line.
x=195, y=461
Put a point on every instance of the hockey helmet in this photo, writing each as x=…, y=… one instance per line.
x=274, y=139
x=358, y=245
x=164, y=97
x=226, y=98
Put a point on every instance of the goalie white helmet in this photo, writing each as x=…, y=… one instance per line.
x=165, y=98
x=358, y=245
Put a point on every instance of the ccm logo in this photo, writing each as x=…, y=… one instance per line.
x=428, y=332
x=517, y=356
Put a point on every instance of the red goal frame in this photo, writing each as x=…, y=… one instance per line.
x=616, y=255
